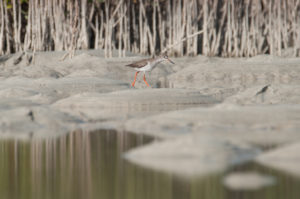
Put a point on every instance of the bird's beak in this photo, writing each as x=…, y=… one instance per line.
x=171, y=61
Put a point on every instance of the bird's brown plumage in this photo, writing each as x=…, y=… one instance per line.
x=141, y=63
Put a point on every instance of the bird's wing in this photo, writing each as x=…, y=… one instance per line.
x=139, y=64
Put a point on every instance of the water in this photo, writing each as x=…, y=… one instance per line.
x=90, y=165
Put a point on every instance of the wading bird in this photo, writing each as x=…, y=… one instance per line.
x=147, y=65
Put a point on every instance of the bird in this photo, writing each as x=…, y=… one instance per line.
x=147, y=65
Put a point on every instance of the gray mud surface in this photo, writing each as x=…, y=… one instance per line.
x=209, y=113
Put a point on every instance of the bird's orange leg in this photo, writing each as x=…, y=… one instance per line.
x=134, y=78
x=145, y=80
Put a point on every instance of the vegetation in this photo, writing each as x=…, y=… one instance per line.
x=231, y=28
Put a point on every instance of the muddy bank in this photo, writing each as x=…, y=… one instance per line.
x=211, y=113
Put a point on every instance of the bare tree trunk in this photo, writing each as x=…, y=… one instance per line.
x=205, y=28
x=97, y=35
x=271, y=29
x=120, y=30
x=230, y=27
x=19, y=27
x=7, y=31
x=2, y=33
x=84, y=38
x=15, y=31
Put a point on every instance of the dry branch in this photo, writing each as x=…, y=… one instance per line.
x=230, y=27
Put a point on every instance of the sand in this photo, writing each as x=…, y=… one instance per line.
x=208, y=113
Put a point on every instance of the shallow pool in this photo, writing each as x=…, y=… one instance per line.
x=90, y=165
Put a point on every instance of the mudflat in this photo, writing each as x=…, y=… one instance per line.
x=208, y=113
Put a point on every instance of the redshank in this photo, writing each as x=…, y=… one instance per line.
x=147, y=65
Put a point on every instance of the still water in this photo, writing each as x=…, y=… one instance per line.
x=90, y=165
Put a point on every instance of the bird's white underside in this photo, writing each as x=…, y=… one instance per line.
x=148, y=67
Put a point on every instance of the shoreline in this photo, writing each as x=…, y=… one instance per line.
x=52, y=97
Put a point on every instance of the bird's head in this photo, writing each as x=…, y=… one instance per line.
x=164, y=57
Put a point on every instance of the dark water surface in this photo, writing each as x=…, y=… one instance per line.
x=90, y=165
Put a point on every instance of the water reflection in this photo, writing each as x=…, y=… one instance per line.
x=89, y=165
